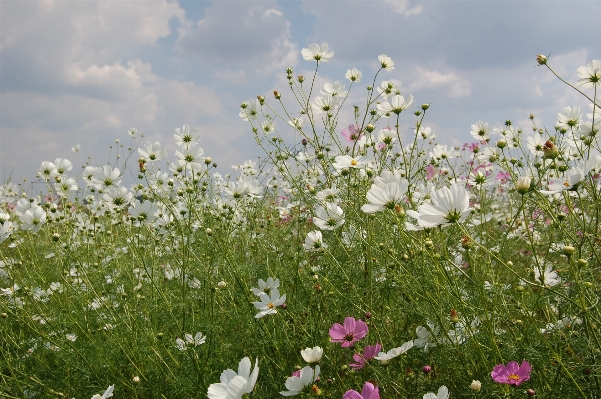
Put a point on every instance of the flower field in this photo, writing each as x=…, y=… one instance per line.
x=357, y=259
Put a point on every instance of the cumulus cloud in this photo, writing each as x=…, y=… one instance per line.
x=253, y=34
x=449, y=83
x=404, y=8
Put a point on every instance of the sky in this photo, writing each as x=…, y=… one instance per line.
x=84, y=72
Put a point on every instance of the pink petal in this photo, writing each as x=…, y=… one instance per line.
x=349, y=324
x=337, y=332
x=368, y=390
x=512, y=367
x=499, y=374
x=352, y=394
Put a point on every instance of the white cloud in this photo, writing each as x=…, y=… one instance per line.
x=251, y=34
x=403, y=7
x=448, y=83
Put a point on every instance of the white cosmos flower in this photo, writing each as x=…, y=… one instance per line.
x=571, y=179
x=386, y=62
x=354, y=75
x=266, y=286
x=107, y=394
x=443, y=393
x=480, y=131
x=250, y=110
x=386, y=197
x=47, y=170
x=335, y=89
x=117, y=197
x=399, y=104
x=535, y=144
x=329, y=217
x=325, y=103
x=443, y=152
x=448, y=205
x=33, y=219
x=191, y=155
x=312, y=355
x=105, y=177
x=152, y=152
x=590, y=75
x=391, y=354
x=297, y=123
x=548, y=277
x=387, y=88
x=269, y=303
x=62, y=165
x=234, y=385
x=346, y=161
x=296, y=384
x=186, y=135
x=571, y=118
x=189, y=340
x=6, y=230
x=314, y=242
x=426, y=337
x=316, y=52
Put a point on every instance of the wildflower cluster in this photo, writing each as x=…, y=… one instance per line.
x=405, y=267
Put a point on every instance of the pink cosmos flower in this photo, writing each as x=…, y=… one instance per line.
x=431, y=172
x=369, y=391
x=352, y=331
x=513, y=374
x=369, y=352
x=351, y=133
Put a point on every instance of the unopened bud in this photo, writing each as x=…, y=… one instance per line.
x=277, y=95
x=425, y=106
x=300, y=78
x=454, y=317
x=568, y=250
x=208, y=231
x=523, y=184
x=541, y=59
x=550, y=149
x=370, y=128
x=476, y=385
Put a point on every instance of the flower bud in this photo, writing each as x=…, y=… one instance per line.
x=426, y=369
x=541, y=59
x=300, y=78
x=523, y=184
x=136, y=379
x=502, y=143
x=208, y=231
x=568, y=250
x=476, y=385
x=531, y=392
x=454, y=317
x=208, y=160
x=425, y=106
x=277, y=95
x=550, y=149
x=370, y=128
x=261, y=99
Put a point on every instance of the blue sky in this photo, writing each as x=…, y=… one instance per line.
x=84, y=72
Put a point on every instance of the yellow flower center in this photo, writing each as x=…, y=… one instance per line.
x=513, y=377
x=353, y=162
x=270, y=305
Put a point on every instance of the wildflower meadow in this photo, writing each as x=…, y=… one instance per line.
x=358, y=258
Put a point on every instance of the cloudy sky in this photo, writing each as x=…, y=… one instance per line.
x=84, y=72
